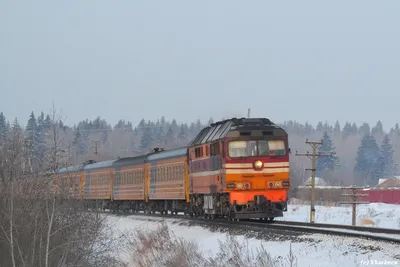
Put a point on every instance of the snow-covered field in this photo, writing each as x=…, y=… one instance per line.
x=308, y=250
x=381, y=215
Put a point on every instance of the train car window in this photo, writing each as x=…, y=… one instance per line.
x=214, y=149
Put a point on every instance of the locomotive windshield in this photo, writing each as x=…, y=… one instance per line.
x=255, y=148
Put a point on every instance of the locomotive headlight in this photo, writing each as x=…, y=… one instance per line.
x=239, y=186
x=258, y=164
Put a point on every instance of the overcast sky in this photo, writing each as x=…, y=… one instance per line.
x=286, y=60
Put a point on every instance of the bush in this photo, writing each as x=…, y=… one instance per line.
x=161, y=248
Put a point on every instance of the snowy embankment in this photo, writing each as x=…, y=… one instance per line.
x=289, y=250
x=374, y=214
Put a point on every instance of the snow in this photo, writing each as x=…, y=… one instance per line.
x=381, y=215
x=320, y=251
x=309, y=250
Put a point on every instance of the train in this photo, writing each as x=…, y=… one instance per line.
x=236, y=168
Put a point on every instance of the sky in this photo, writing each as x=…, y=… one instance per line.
x=285, y=60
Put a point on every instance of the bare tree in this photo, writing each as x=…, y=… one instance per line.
x=43, y=223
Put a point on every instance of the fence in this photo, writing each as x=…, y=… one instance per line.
x=388, y=196
x=333, y=194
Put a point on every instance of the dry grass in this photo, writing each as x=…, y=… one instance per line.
x=366, y=221
x=161, y=248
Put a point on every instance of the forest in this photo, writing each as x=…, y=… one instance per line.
x=361, y=154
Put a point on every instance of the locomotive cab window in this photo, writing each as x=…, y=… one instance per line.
x=254, y=148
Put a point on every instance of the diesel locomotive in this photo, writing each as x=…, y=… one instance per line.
x=236, y=169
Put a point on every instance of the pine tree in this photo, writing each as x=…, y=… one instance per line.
x=47, y=123
x=336, y=129
x=347, y=130
x=40, y=138
x=159, y=133
x=3, y=128
x=397, y=129
x=147, y=139
x=364, y=129
x=326, y=164
x=169, y=140
x=31, y=129
x=16, y=127
x=354, y=128
x=80, y=143
x=327, y=127
x=389, y=167
x=368, y=161
x=183, y=134
x=320, y=127
x=378, y=129
x=31, y=141
x=174, y=126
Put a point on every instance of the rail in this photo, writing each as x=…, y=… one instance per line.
x=370, y=233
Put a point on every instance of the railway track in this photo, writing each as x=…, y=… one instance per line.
x=341, y=226
x=370, y=233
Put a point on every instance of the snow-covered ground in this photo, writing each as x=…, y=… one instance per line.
x=309, y=250
x=379, y=214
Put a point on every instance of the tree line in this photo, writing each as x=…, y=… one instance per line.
x=362, y=154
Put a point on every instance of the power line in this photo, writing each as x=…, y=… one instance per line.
x=313, y=156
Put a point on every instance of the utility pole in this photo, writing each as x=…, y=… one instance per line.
x=353, y=200
x=96, y=146
x=313, y=156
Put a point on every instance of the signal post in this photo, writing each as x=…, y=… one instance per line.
x=313, y=156
x=354, y=200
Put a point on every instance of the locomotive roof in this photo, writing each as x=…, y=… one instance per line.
x=99, y=165
x=74, y=168
x=220, y=129
x=179, y=152
x=129, y=161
